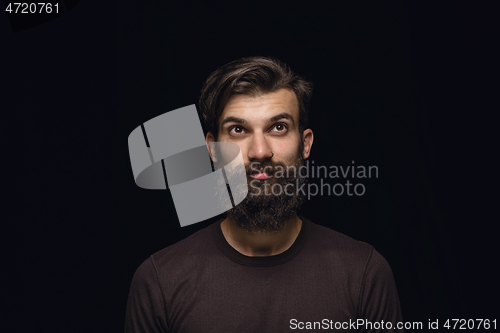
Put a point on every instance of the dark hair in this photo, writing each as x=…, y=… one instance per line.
x=251, y=76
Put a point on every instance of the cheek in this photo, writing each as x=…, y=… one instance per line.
x=242, y=144
x=244, y=152
x=287, y=151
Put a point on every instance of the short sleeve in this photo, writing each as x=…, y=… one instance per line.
x=145, y=306
x=379, y=300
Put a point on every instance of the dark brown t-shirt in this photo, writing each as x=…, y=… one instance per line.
x=323, y=282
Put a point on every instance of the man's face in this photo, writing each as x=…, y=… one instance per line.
x=266, y=128
x=259, y=125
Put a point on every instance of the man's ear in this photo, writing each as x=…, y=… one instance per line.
x=211, y=149
x=308, y=138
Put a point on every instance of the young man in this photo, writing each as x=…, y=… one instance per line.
x=263, y=268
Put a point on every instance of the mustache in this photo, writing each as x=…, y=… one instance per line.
x=269, y=167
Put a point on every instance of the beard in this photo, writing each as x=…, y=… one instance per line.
x=270, y=203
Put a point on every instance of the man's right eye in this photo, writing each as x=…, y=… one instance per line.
x=236, y=130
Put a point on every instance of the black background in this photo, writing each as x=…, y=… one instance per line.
x=406, y=86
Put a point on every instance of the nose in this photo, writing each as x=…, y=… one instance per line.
x=259, y=150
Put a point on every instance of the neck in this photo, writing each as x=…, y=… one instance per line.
x=260, y=244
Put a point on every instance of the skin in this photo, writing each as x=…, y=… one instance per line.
x=258, y=134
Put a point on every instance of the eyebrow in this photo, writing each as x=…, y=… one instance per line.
x=232, y=119
x=282, y=115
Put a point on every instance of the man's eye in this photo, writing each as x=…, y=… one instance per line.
x=236, y=130
x=279, y=128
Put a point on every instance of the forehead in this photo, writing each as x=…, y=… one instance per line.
x=262, y=107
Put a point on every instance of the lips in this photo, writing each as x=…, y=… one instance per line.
x=260, y=175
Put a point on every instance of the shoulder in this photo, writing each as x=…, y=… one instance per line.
x=335, y=247
x=336, y=244
x=181, y=257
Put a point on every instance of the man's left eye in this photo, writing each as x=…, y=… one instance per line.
x=279, y=128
